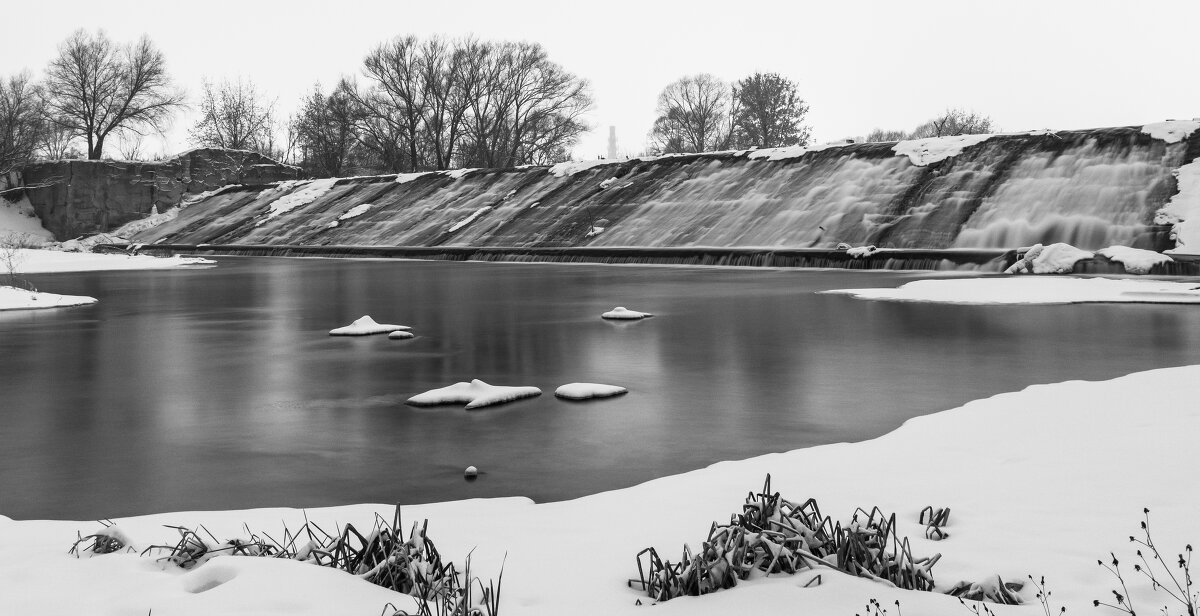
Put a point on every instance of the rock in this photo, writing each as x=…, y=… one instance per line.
x=623, y=313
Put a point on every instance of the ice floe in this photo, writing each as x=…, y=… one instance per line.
x=366, y=326
x=475, y=394
x=401, y=334
x=13, y=298
x=1034, y=290
x=585, y=391
x=623, y=313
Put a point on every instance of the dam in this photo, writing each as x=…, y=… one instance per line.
x=974, y=196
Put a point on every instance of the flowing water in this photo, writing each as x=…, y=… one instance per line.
x=220, y=388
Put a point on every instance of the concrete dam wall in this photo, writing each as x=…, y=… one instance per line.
x=1090, y=188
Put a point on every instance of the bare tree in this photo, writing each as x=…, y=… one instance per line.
x=325, y=132
x=21, y=120
x=96, y=87
x=770, y=112
x=694, y=115
x=234, y=115
x=955, y=122
x=879, y=135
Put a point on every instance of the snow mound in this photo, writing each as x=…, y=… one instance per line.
x=475, y=394
x=1183, y=210
x=12, y=298
x=860, y=252
x=571, y=167
x=927, y=151
x=366, y=326
x=18, y=218
x=313, y=191
x=1058, y=258
x=1171, y=131
x=584, y=391
x=400, y=334
x=1034, y=290
x=1136, y=260
x=623, y=313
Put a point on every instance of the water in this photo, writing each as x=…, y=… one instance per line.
x=220, y=388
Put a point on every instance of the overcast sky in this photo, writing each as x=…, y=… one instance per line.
x=860, y=65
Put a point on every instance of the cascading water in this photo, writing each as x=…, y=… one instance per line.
x=1090, y=188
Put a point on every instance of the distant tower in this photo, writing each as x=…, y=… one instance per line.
x=612, y=142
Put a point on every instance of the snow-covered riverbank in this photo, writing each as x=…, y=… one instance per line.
x=1044, y=482
x=33, y=261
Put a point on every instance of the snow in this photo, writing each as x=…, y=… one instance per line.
x=1136, y=260
x=404, y=178
x=476, y=394
x=13, y=298
x=18, y=218
x=575, y=166
x=32, y=261
x=313, y=190
x=623, y=313
x=584, y=391
x=1058, y=258
x=1183, y=210
x=356, y=211
x=859, y=252
x=927, y=151
x=400, y=335
x=1171, y=131
x=469, y=219
x=365, y=326
x=594, y=231
x=1041, y=482
x=1034, y=290
x=795, y=151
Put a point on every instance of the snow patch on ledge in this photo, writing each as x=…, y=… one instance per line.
x=795, y=151
x=1034, y=290
x=1183, y=210
x=313, y=191
x=1171, y=131
x=469, y=219
x=1135, y=260
x=927, y=151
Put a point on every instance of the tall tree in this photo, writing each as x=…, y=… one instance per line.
x=235, y=115
x=770, y=112
x=22, y=126
x=325, y=132
x=694, y=115
x=95, y=87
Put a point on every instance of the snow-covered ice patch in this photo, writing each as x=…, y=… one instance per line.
x=1058, y=258
x=1034, y=290
x=365, y=326
x=1183, y=210
x=1171, y=131
x=400, y=334
x=594, y=231
x=861, y=252
x=927, y=151
x=585, y=391
x=623, y=313
x=572, y=167
x=314, y=190
x=1136, y=260
x=356, y=211
x=12, y=298
x=475, y=394
x=469, y=219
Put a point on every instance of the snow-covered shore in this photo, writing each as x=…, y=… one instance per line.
x=12, y=298
x=34, y=261
x=1035, y=290
x=1044, y=482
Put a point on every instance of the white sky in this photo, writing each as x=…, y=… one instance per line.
x=859, y=64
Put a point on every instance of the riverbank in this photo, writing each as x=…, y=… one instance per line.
x=1041, y=482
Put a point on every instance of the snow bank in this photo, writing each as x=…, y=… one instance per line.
x=1183, y=210
x=365, y=326
x=1033, y=290
x=927, y=151
x=31, y=261
x=584, y=391
x=12, y=298
x=313, y=190
x=1041, y=482
x=1171, y=131
x=1058, y=258
x=572, y=167
x=475, y=394
x=623, y=313
x=18, y=218
x=1136, y=260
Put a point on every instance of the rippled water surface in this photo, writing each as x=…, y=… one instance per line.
x=219, y=388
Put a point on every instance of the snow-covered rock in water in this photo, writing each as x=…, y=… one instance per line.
x=12, y=298
x=1056, y=258
x=1136, y=260
x=584, y=391
x=623, y=313
x=860, y=252
x=366, y=326
x=400, y=334
x=475, y=394
x=843, y=246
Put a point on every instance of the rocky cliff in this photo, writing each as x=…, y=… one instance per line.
x=77, y=197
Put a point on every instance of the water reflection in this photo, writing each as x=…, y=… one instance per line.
x=220, y=388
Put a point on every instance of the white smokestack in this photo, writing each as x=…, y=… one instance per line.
x=612, y=142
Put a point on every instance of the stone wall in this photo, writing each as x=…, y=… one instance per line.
x=81, y=197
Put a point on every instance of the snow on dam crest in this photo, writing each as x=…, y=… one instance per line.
x=1090, y=188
